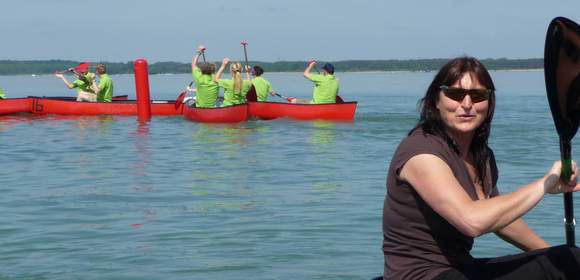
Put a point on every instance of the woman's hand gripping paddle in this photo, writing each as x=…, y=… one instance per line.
x=562, y=75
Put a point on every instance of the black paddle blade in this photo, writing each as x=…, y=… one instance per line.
x=562, y=74
x=251, y=96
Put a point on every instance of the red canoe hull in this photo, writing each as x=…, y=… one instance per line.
x=14, y=106
x=230, y=114
x=331, y=112
x=41, y=106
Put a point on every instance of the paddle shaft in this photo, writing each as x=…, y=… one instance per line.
x=245, y=54
x=203, y=56
x=282, y=96
x=569, y=221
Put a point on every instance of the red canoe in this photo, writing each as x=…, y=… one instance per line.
x=42, y=106
x=332, y=112
x=14, y=106
x=230, y=114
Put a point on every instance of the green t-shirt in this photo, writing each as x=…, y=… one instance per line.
x=2, y=95
x=231, y=97
x=325, y=89
x=263, y=88
x=106, y=89
x=85, y=86
x=207, y=89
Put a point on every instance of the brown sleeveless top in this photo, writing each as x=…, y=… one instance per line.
x=417, y=242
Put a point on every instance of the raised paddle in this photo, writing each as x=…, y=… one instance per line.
x=203, y=53
x=562, y=75
x=245, y=43
x=251, y=95
x=70, y=70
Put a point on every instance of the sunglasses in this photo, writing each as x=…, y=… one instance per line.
x=457, y=94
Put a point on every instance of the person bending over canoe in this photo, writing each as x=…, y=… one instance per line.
x=442, y=192
x=104, y=89
x=262, y=86
x=82, y=83
x=235, y=89
x=325, y=85
x=206, y=88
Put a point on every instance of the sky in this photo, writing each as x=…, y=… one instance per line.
x=276, y=30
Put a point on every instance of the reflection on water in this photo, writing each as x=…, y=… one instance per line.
x=324, y=134
x=326, y=154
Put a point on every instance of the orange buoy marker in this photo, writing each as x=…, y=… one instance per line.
x=142, y=88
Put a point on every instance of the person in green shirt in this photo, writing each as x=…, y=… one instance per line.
x=235, y=89
x=2, y=95
x=206, y=87
x=262, y=86
x=104, y=89
x=82, y=83
x=325, y=85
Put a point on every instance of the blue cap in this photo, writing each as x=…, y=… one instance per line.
x=329, y=68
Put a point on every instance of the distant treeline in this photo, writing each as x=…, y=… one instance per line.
x=38, y=67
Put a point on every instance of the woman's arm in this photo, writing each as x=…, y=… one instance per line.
x=63, y=78
x=306, y=73
x=520, y=235
x=248, y=69
x=195, y=58
x=433, y=179
x=220, y=71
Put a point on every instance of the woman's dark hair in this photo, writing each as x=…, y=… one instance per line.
x=207, y=68
x=258, y=71
x=430, y=119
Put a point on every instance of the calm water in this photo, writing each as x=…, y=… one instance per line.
x=105, y=198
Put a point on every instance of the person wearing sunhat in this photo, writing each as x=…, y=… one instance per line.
x=325, y=85
x=83, y=82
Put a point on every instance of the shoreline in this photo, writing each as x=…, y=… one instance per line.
x=294, y=72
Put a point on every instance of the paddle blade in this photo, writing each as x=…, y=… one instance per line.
x=251, y=96
x=179, y=99
x=562, y=75
x=339, y=99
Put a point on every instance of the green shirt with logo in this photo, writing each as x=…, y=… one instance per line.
x=325, y=89
x=263, y=88
x=106, y=89
x=231, y=97
x=207, y=89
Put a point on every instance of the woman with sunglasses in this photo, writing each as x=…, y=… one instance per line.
x=442, y=193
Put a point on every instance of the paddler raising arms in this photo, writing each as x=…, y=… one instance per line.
x=325, y=85
x=235, y=89
x=82, y=83
x=442, y=192
x=206, y=88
